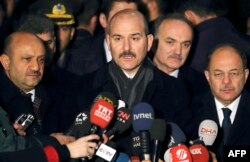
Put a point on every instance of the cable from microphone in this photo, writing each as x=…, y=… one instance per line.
x=143, y=116
x=123, y=122
x=158, y=133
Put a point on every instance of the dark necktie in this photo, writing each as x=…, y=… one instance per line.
x=226, y=123
x=36, y=106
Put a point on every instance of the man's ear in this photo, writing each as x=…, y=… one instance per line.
x=103, y=20
x=191, y=16
x=5, y=61
x=72, y=33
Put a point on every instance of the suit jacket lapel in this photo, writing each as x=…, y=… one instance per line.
x=241, y=121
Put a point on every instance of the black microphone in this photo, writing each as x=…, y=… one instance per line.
x=81, y=126
x=123, y=122
x=158, y=133
x=136, y=146
x=143, y=116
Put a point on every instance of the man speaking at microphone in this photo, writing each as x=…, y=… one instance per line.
x=131, y=77
x=226, y=73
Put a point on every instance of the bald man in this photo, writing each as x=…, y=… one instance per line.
x=132, y=77
x=23, y=66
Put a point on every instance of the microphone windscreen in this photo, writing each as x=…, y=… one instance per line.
x=122, y=157
x=121, y=104
x=177, y=136
x=180, y=153
x=199, y=153
x=122, y=123
x=143, y=116
x=158, y=130
x=208, y=131
x=81, y=125
x=101, y=113
x=166, y=156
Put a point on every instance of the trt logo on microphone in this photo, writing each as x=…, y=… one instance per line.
x=104, y=112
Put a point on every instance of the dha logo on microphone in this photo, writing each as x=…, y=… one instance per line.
x=143, y=116
x=208, y=131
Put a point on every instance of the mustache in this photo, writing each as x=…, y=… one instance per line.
x=176, y=56
x=127, y=53
x=34, y=72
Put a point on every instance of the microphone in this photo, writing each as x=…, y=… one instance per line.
x=143, y=116
x=122, y=157
x=158, y=133
x=122, y=123
x=106, y=152
x=177, y=136
x=121, y=104
x=199, y=153
x=136, y=147
x=101, y=113
x=81, y=126
x=179, y=153
x=208, y=131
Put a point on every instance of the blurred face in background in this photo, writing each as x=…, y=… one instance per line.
x=174, y=43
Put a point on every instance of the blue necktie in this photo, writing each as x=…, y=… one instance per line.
x=226, y=123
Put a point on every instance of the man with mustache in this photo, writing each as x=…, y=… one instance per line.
x=226, y=73
x=23, y=67
x=133, y=78
x=173, y=40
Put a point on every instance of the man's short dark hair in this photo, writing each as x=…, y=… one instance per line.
x=204, y=8
x=89, y=9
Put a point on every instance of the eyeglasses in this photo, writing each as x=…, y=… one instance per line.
x=219, y=75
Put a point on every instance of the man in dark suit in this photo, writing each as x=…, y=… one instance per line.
x=227, y=74
x=132, y=77
x=211, y=29
x=173, y=40
x=23, y=62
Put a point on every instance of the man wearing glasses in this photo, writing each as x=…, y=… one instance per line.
x=227, y=103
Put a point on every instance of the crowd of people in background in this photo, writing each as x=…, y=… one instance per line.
x=185, y=58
